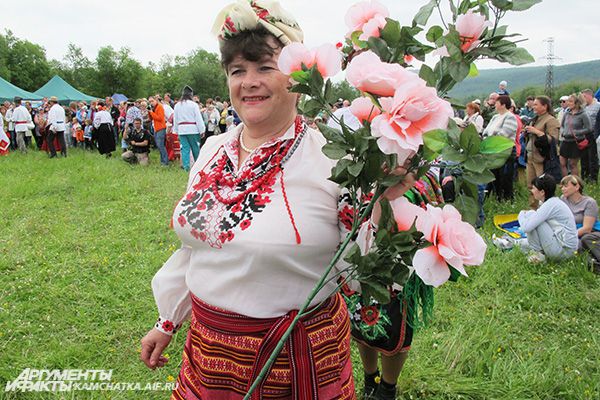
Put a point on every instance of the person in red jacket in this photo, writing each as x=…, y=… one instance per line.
x=157, y=114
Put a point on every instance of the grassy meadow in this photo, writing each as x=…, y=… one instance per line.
x=81, y=238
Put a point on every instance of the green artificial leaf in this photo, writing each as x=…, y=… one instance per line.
x=469, y=140
x=311, y=108
x=495, y=144
x=454, y=274
x=331, y=134
x=301, y=88
x=316, y=80
x=502, y=4
x=459, y=70
x=516, y=56
x=391, y=32
x=356, y=169
x=356, y=41
x=453, y=133
x=469, y=189
x=424, y=13
x=451, y=154
x=436, y=140
x=429, y=155
x=427, y=74
x=475, y=163
x=380, y=47
x=468, y=208
x=375, y=290
x=522, y=5
x=330, y=94
x=464, y=6
x=335, y=151
x=300, y=76
x=386, y=220
x=500, y=31
x=479, y=178
x=400, y=274
x=434, y=33
x=493, y=161
x=473, y=71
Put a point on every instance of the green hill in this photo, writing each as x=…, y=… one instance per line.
x=518, y=78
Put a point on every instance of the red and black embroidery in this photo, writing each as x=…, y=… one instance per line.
x=219, y=201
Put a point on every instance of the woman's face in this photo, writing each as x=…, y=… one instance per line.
x=259, y=92
x=570, y=102
x=539, y=195
x=569, y=188
x=499, y=106
x=470, y=111
x=539, y=108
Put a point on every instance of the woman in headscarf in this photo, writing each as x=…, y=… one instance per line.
x=103, y=130
x=259, y=223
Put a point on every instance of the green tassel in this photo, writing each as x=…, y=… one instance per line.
x=419, y=299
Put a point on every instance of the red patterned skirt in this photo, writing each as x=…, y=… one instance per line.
x=224, y=351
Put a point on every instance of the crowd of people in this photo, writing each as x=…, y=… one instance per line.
x=241, y=163
x=553, y=146
x=105, y=126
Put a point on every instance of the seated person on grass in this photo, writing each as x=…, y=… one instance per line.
x=585, y=211
x=138, y=139
x=550, y=229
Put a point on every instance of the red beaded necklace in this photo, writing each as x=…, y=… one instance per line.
x=221, y=179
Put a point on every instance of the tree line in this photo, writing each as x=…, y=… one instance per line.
x=25, y=65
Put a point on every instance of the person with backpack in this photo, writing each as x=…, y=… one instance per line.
x=542, y=133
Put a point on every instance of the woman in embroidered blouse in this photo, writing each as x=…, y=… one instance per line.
x=258, y=225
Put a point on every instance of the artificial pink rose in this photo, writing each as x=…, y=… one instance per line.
x=414, y=110
x=405, y=213
x=293, y=56
x=327, y=58
x=409, y=59
x=372, y=27
x=364, y=109
x=454, y=243
x=470, y=26
x=362, y=13
x=368, y=73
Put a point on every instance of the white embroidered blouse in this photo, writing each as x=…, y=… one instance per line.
x=244, y=257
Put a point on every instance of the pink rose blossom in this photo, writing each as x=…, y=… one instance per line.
x=326, y=57
x=409, y=59
x=368, y=73
x=361, y=14
x=364, y=109
x=414, y=110
x=405, y=213
x=454, y=243
x=470, y=26
x=372, y=27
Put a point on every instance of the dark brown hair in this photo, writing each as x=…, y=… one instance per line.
x=252, y=45
x=504, y=100
x=545, y=101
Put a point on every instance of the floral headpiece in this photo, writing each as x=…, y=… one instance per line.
x=250, y=14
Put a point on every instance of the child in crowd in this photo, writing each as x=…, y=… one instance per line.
x=87, y=134
x=75, y=131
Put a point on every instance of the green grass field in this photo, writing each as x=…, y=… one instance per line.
x=81, y=238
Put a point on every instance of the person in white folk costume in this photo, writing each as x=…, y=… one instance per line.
x=4, y=139
x=56, y=119
x=189, y=125
x=259, y=223
x=21, y=118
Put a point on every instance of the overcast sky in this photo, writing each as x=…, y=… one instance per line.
x=151, y=28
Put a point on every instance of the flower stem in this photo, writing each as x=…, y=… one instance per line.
x=312, y=295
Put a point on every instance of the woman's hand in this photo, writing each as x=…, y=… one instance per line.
x=153, y=345
x=534, y=130
x=394, y=192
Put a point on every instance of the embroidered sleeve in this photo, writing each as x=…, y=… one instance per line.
x=171, y=292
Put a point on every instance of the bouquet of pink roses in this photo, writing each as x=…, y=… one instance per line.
x=405, y=121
